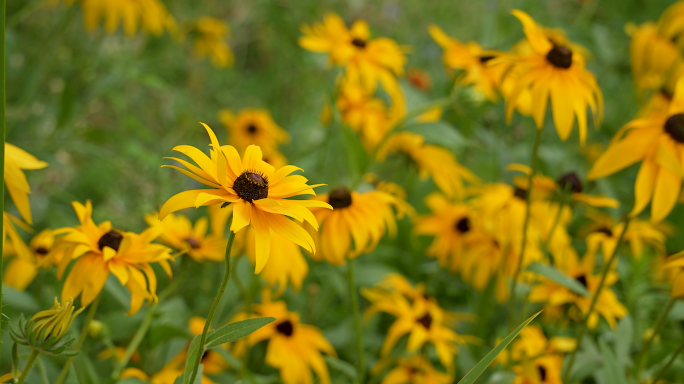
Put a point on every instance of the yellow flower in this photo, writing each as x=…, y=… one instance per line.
x=431, y=160
x=653, y=57
x=671, y=22
x=657, y=141
x=361, y=217
x=554, y=70
x=166, y=375
x=211, y=41
x=16, y=160
x=673, y=266
x=532, y=342
x=542, y=370
x=253, y=126
x=363, y=113
x=21, y=271
x=416, y=370
x=100, y=250
x=151, y=15
x=555, y=296
x=56, y=321
x=295, y=349
x=365, y=60
x=257, y=191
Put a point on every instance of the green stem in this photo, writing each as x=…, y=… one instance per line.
x=29, y=364
x=667, y=366
x=81, y=339
x=639, y=361
x=2, y=137
x=43, y=373
x=357, y=321
x=585, y=321
x=528, y=202
x=210, y=316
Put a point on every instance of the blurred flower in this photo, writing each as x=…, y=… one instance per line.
x=671, y=23
x=532, y=343
x=419, y=78
x=363, y=113
x=674, y=266
x=253, y=126
x=431, y=160
x=16, y=160
x=257, y=191
x=653, y=57
x=100, y=250
x=151, y=15
x=211, y=360
x=415, y=370
x=56, y=321
x=542, y=370
x=211, y=41
x=657, y=141
x=361, y=217
x=556, y=71
x=21, y=271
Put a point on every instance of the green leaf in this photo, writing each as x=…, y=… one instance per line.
x=15, y=359
x=235, y=331
x=612, y=372
x=164, y=332
x=480, y=367
x=71, y=377
x=190, y=360
x=559, y=278
x=342, y=367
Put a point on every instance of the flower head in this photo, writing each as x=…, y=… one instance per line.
x=415, y=370
x=56, y=321
x=151, y=15
x=21, y=271
x=253, y=126
x=16, y=160
x=211, y=41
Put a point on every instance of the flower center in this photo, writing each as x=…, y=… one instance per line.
x=606, y=231
x=251, y=129
x=582, y=280
x=425, y=321
x=251, y=186
x=570, y=182
x=560, y=57
x=340, y=198
x=42, y=251
x=111, y=239
x=542, y=373
x=358, y=43
x=194, y=244
x=484, y=59
x=285, y=328
x=674, y=126
x=520, y=193
x=463, y=225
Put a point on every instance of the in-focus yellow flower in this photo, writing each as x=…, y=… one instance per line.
x=16, y=160
x=554, y=71
x=253, y=126
x=256, y=190
x=100, y=250
x=151, y=15
x=361, y=217
x=22, y=270
x=295, y=349
x=365, y=60
x=56, y=321
x=415, y=370
x=658, y=142
x=211, y=41
x=431, y=160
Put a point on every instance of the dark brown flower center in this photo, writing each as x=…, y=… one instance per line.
x=42, y=251
x=560, y=57
x=605, y=230
x=425, y=321
x=251, y=186
x=194, y=244
x=285, y=328
x=542, y=373
x=570, y=182
x=463, y=225
x=666, y=94
x=484, y=59
x=111, y=239
x=582, y=279
x=674, y=126
x=520, y=193
x=340, y=198
x=251, y=129
x=359, y=43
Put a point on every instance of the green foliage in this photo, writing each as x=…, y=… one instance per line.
x=25, y=335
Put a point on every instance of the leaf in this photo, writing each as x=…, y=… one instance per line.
x=342, y=367
x=612, y=372
x=623, y=340
x=480, y=367
x=71, y=377
x=235, y=331
x=559, y=278
x=15, y=359
x=164, y=332
x=190, y=360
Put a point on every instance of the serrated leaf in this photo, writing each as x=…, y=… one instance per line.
x=612, y=371
x=193, y=350
x=342, y=367
x=234, y=331
x=557, y=277
x=480, y=367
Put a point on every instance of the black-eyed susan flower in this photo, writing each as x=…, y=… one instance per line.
x=211, y=41
x=432, y=161
x=259, y=194
x=23, y=268
x=150, y=15
x=253, y=126
x=415, y=370
x=533, y=342
x=16, y=160
x=658, y=142
x=211, y=360
x=359, y=217
x=555, y=71
x=56, y=321
x=674, y=267
x=100, y=250
x=671, y=23
x=366, y=60
x=542, y=370
x=294, y=348
x=653, y=57
x=363, y=113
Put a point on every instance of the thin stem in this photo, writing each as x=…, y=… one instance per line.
x=81, y=339
x=42, y=371
x=585, y=321
x=664, y=369
x=29, y=364
x=210, y=316
x=528, y=202
x=353, y=294
x=639, y=361
x=2, y=137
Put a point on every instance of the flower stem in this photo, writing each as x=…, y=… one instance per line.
x=353, y=294
x=664, y=369
x=2, y=137
x=585, y=321
x=639, y=361
x=29, y=364
x=81, y=339
x=528, y=203
x=210, y=316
